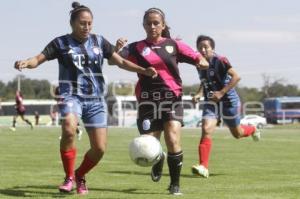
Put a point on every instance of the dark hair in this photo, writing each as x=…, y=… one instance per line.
x=77, y=9
x=204, y=37
x=166, y=31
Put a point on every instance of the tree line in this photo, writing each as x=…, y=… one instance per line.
x=40, y=89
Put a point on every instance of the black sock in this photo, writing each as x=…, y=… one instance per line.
x=175, y=164
x=28, y=122
x=14, y=123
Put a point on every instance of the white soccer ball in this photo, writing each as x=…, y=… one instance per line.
x=145, y=150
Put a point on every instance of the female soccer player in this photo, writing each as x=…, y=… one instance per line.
x=159, y=99
x=80, y=57
x=221, y=101
x=20, y=108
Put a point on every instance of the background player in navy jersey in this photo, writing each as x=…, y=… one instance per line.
x=80, y=57
x=159, y=99
x=20, y=111
x=221, y=100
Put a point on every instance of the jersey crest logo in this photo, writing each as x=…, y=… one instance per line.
x=146, y=124
x=169, y=49
x=211, y=73
x=146, y=51
x=96, y=50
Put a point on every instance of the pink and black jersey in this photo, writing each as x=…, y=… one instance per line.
x=164, y=57
x=19, y=103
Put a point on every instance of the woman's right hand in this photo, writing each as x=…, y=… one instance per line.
x=19, y=65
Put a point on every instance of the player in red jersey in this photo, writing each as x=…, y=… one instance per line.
x=20, y=111
x=160, y=99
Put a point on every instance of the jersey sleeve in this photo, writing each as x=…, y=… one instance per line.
x=108, y=48
x=128, y=53
x=51, y=51
x=187, y=54
x=225, y=63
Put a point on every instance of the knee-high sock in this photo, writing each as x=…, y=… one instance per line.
x=14, y=123
x=68, y=160
x=28, y=122
x=86, y=165
x=248, y=130
x=175, y=164
x=204, y=151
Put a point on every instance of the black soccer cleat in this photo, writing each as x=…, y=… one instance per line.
x=156, y=171
x=174, y=190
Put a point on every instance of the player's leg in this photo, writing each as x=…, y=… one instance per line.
x=231, y=116
x=156, y=170
x=70, y=110
x=149, y=123
x=68, y=150
x=13, y=127
x=98, y=143
x=209, y=122
x=22, y=115
x=172, y=134
x=94, y=116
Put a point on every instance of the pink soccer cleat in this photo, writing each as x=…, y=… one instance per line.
x=81, y=186
x=67, y=186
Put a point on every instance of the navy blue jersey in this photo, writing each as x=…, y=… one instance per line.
x=80, y=64
x=216, y=77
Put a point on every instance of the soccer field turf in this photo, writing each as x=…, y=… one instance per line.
x=239, y=169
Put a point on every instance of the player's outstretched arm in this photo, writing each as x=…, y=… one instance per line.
x=30, y=63
x=120, y=43
x=203, y=63
x=128, y=65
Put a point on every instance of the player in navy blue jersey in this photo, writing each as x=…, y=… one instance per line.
x=221, y=101
x=159, y=99
x=80, y=57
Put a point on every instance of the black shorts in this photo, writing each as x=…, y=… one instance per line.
x=152, y=115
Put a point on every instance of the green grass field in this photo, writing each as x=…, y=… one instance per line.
x=240, y=169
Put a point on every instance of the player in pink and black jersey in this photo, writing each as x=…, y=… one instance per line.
x=20, y=111
x=159, y=99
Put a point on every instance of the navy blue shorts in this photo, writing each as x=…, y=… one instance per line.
x=231, y=114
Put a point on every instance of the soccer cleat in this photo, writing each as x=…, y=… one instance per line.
x=174, y=190
x=256, y=135
x=79, y=134
x=200, y=170
x=12, y=128
x=81, y=187
x=67, y=186
x=156, y=171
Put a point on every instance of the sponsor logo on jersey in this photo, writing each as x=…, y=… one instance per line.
x=169, y=49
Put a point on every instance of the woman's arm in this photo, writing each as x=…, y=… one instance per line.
x=30, y=62
x=235, y=78
x=198, y=94
x=128, y=65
